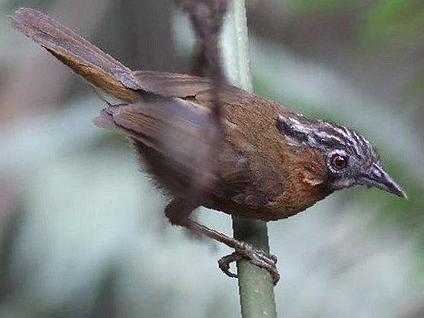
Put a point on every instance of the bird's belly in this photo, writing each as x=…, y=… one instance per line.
x=263, y=213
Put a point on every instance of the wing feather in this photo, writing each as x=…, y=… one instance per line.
x=171, y=84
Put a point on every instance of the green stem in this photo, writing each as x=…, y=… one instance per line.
x=255, y=284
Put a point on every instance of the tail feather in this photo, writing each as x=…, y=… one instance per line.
x=97, y=67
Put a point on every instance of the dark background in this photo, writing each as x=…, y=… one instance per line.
x=82, y=233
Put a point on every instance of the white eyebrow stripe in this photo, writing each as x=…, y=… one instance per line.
x=325, y=135
x=300, y=127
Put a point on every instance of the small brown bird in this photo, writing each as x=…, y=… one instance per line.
x=273, y=163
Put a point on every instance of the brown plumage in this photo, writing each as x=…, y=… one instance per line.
x=273, y=163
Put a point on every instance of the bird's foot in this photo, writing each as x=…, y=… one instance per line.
x=255, y=256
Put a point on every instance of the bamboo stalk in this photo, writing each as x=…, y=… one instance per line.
x=255, y=284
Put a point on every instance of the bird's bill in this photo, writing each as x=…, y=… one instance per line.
x=377, y=177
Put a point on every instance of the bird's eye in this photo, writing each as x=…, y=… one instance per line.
x=338, y=161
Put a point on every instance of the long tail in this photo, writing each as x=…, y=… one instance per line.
x=97, y=67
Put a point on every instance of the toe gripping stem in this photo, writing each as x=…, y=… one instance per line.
x=242, y=251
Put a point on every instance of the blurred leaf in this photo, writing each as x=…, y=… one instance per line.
x=321, y=5
x=393, y=20
x=415, y=88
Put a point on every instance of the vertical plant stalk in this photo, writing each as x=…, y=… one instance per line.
x=255, y=284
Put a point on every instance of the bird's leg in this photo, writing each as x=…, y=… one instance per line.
x=181, y=217
x=242, y=250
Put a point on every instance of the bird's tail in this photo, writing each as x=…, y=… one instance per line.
x=97, y=67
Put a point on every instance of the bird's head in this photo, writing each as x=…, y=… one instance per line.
x=350, y=159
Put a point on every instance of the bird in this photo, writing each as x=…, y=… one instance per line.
x=272, y=164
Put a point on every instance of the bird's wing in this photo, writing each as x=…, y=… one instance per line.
x=171, y=84
x=181, y=138
x=157, y=118
x=173, y=118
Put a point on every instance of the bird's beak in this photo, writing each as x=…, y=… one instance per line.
x=377, y=177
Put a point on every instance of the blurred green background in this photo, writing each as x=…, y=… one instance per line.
x=82, y=233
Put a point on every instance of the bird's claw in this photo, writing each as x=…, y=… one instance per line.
x=255, y=256
x=224, y=263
